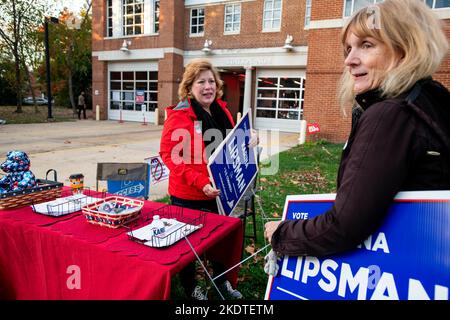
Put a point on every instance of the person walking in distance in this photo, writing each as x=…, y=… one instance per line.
x=81, y=105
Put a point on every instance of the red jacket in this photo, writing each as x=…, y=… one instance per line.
x=183, y=151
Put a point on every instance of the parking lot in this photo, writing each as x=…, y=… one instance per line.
x=77, y=147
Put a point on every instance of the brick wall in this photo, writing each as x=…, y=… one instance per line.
x=329, y=9
x=171, y=23
x=251, y=35
x=98, y=24
x=100, y=83
x=325, y=58
x=324, y=69
x=170, y=73
x=443, y=74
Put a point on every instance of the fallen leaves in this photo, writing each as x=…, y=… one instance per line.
x=306, y=180
x=275, y=215
x=250, y=249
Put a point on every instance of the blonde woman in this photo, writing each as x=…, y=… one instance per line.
x=400, y=137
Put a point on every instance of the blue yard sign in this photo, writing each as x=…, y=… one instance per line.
x=407, y=258
x=233, y=166
x=128, y=188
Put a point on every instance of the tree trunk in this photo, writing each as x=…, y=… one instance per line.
x=18, y=82
x=30, y=87
x=72, y=100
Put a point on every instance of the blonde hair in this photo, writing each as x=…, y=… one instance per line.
x=193, y=70
x=408, y=28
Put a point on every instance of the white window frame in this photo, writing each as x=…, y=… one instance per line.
x=133, y=15
x=352, y=8
x=233, y=22
x=278, y=99
x=109, y=18
x=156, y=11
x=271, y=19
x=197, y=34
x=122, y=91
x=308, y=8
x=433, y=6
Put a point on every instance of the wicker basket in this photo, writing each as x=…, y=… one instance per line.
x=45, y=190
x=113, y=220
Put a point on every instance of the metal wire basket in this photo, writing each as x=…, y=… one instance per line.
x=177, y=225
x=68, y=202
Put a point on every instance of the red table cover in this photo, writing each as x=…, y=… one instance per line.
x=50, y=258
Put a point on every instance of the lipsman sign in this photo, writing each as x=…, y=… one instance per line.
x=233, y=166
x=408, y=258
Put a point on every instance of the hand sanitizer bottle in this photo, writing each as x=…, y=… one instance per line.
x=158, y=227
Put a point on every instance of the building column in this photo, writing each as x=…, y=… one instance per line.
x=247, y=89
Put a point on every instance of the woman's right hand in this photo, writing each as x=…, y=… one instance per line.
x=211, y=192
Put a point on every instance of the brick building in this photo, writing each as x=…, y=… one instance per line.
x=264, y=49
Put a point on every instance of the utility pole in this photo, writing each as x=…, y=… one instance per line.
x=47, y=63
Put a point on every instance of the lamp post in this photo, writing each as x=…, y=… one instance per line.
x=47, y=64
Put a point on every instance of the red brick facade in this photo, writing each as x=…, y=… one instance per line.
x=325, y=65
x=173, y=46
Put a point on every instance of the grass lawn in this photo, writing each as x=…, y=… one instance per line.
x=29, y=114
x=306, y=169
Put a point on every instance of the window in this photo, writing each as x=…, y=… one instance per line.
x=308, y=13
x=133, y=17
x=272, y=15
x=232, y=18
x=109, y=18
x=133, y=90
x=280, y=98
x=156, y=16
x=354, y=5
x=197, y=21
x=436, y=4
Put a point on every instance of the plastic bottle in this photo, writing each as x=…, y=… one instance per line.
x=158, y=227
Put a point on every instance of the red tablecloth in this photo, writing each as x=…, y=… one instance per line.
x=41, y=258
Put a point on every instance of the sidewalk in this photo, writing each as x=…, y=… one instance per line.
x=77, y=147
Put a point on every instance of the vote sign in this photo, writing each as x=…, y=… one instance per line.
x=407, y=258
x=233, y=166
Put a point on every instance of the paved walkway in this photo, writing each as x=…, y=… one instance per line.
x=77, y=147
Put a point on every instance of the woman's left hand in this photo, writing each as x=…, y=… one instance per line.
x=254, y=139
x=269, y=229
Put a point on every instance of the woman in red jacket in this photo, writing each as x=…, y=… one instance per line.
x=186, y=144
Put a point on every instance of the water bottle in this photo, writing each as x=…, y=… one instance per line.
x=158, y=227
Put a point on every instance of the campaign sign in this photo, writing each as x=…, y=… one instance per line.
x=139, y=98
x=313, y=128
x=157, y=170
x=128, y=188
x=407, y=258
x=233, y=166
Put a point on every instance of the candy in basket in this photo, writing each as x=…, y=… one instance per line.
x=165, y=226
x=113, y=211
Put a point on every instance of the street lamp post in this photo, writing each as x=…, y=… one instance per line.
x=47, y=63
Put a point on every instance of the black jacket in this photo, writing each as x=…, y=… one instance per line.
x=395, y=145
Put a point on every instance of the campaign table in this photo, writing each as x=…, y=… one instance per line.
x=66, y=257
